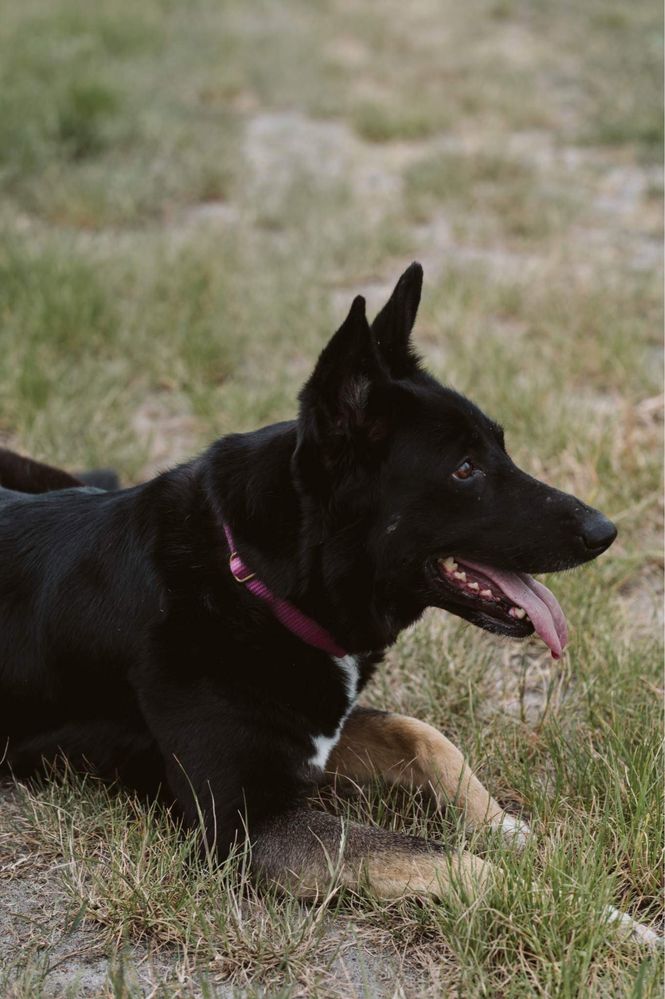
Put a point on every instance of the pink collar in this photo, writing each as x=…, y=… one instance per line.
x=286, y=613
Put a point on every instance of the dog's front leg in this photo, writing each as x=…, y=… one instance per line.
x=307, y=852
x=225, y=769
x=406, y=751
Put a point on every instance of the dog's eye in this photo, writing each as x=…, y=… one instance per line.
x=465, y=471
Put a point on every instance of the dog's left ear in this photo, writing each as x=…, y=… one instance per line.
x=394, y=323
x=341, y=404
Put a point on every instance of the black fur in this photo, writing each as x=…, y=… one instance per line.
x=127, y=645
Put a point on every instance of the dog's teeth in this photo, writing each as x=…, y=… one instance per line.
x=487, y=594
x=450, y=564
x=473, y=586
x=517, y=612
x=460, y=575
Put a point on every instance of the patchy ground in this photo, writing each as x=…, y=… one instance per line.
x=189, y=199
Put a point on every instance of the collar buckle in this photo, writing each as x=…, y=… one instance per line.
x=239, y=579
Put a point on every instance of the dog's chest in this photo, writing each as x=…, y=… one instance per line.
x=323, y=745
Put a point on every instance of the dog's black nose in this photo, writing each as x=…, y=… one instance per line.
x=597, y=532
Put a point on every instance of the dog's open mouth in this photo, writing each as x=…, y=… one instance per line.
x=509, y=602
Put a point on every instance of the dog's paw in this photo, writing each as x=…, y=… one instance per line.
x=633, y=930
x=516, y=832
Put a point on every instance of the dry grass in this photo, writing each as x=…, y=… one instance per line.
x=189, y=196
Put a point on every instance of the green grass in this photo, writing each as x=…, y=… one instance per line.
x=162, y=283
x=513, y=200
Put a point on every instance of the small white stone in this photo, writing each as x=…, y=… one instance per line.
x=637, y=931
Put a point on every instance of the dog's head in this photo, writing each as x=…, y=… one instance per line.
x=415, y=499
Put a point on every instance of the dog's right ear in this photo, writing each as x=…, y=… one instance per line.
x=394, y=323
x=340, y=405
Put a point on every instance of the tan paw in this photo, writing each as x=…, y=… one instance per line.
x=515, y=831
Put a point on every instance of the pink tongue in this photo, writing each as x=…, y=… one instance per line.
x=539, y=603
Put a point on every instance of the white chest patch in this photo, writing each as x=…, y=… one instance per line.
x=323, y=745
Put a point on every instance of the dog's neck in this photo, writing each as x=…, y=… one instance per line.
x=280, y=535
x=249, y=483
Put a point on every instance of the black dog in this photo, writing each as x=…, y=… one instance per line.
x=205, y=635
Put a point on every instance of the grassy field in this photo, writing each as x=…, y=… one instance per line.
x=190, y=196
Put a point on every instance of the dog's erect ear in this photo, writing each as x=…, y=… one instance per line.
x=339, y=404
x=394, y=323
